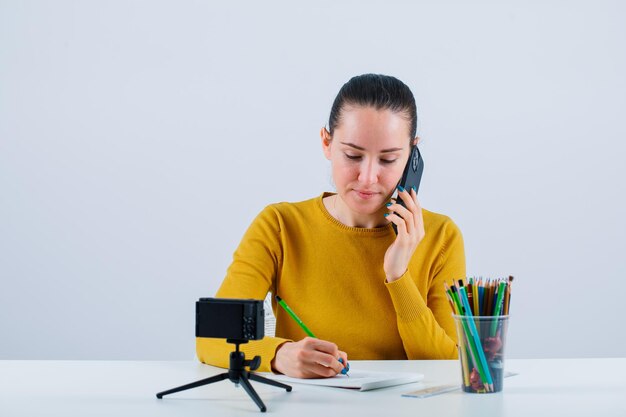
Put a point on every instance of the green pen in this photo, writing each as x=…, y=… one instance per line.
x=293, y=316
x=306, y=329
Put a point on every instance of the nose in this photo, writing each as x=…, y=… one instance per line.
x=368, y=173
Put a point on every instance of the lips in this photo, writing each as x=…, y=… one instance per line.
x=365, y=194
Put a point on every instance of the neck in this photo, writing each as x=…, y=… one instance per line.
x=342, y=213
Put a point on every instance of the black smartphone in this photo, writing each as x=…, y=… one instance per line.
x=411, y=176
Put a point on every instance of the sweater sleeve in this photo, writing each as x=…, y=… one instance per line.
x=426, y=325
x=252, y=274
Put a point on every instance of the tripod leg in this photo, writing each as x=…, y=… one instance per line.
x=245, y=383
x=268, y=381
x=199, y=383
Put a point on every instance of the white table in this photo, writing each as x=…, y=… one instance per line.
x=547, y=387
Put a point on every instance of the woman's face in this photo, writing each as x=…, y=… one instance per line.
x=368, y=152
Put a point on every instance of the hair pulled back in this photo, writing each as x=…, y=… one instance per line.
x=382, y=92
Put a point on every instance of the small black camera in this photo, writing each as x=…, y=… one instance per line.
x=230, y=318
x=237, y=321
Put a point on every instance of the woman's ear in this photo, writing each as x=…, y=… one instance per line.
x=326, y=142
x=416, y=141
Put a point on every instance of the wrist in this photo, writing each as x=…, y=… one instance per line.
x=393, y=277
x=273, y=366
x=390, y=279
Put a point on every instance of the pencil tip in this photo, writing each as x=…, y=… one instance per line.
x=278, y=298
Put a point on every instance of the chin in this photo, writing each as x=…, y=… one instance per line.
x=363, y=206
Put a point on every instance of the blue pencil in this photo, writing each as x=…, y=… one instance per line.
x=476, y=337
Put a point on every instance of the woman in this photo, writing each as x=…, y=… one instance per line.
x=364, y=291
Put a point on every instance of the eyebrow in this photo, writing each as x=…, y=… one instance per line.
x=360, y=148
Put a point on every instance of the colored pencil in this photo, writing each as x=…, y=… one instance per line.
x=498, y=308
x=476, y=299
x=483, y=368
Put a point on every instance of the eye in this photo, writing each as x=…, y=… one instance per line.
x=353, y=157
x=388, y=161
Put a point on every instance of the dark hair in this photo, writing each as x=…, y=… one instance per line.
x=382, y=92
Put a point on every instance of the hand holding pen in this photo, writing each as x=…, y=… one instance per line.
x=309, y=357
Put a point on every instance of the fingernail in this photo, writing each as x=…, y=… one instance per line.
x=344, y=371
x=340, y=360
x=414, y=189
x=386, y=214
x=400, y=188
x=347, y=366
x=389, y=204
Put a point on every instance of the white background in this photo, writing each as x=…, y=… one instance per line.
x=138, y=139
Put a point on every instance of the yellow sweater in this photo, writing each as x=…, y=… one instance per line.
x=332, y=276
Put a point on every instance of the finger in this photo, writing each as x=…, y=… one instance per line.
x=419, y=216
x=407, y=212
x=318, y=370
x=399, y=222
x=408, y=198
x=419, y=220
x=404, y=213
x=325, y=353
x=404, y=195
x=321, y=345
x=415, y=208
x=343, y=358
x=325, y=360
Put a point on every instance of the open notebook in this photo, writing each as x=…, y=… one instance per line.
x=358, y=380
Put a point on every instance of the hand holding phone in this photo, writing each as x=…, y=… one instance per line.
x=401, y=251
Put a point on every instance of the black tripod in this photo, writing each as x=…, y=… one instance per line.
x=237, y=374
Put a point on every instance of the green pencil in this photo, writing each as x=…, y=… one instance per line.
x=498, y=307
x=293, y=316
